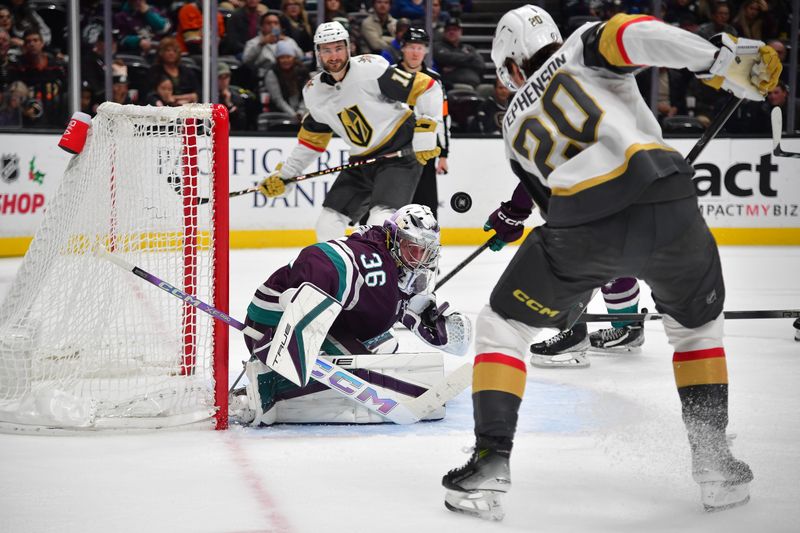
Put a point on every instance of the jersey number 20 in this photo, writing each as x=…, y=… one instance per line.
x=535, y=127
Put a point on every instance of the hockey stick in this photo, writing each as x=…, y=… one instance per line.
x=729, y=315
x=374, y=398
x=464, y=263
x=713, y=128
x=777, y=129
x=175, y=181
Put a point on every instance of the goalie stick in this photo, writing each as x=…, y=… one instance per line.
x=174, y=180
x=326, y=372
x=777, y=129
x=729, y=315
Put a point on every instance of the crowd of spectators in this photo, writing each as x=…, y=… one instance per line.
x=266, y=56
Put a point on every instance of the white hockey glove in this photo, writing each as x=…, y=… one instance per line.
x=451, y=333
x=744, y=67
x=273, y=185
x=424, y=141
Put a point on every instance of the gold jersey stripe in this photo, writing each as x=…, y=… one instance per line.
x=617, y=172
x=610, y=45
x=421, y=84
x=498, y=377
x=315, y=141
x=389, y=136
x=708, y=371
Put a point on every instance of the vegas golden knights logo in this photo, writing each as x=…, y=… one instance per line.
x=355, y=124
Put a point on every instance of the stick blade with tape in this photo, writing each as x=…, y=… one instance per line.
x=300, y=333
x=777, y=130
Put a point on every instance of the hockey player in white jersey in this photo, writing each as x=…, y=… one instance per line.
x=368, y=104
x=621, y=203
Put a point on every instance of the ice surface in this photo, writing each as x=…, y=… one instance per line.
x=597, y=449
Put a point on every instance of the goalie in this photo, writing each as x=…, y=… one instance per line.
x=380, y=275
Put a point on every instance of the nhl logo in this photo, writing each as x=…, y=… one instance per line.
x=9, y=168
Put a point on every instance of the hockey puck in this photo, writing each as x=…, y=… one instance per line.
x=461, y=202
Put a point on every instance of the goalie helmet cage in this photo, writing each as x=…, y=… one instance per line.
x=85, y=345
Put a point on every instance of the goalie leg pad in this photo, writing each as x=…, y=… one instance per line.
x=263, y=406
x=406, y=374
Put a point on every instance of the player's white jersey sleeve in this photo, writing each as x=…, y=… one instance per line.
x=636, y=40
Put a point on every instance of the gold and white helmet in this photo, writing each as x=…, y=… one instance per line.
x=330, y=32
x=520, y=34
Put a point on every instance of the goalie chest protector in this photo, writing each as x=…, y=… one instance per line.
x=358, y=271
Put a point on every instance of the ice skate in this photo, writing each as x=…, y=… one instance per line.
x=476, y=488
x=724, y=480
x=628, y=338
x=567, y=349
x=239, y=410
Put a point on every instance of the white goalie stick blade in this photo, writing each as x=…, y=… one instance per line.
x=301, y=332
x=777, y=128
x=442, y=392
x=562, y=360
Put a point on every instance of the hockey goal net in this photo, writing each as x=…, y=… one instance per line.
x=87, y=345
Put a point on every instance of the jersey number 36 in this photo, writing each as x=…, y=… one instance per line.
x=375, y=276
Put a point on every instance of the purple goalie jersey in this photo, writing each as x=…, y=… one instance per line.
x=358, y=271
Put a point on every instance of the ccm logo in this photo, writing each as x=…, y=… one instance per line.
x=534, y=305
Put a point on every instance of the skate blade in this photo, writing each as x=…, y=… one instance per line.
x=616, y=349
x=483, y=504
x=563, y=360
x=721, y=496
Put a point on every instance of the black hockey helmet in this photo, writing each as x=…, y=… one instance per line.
x=416, y=35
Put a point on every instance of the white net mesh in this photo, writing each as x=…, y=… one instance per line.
x=85, y=344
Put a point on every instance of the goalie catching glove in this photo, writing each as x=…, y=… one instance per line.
x=451, y=333
x=274, y=185
x=744, y=67
x=424, y=141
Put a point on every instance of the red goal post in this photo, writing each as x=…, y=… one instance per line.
x=84, y=346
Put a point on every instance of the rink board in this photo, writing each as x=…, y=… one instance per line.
x=748, y=196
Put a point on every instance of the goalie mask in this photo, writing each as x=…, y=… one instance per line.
x=412, y=235
x=520, y=34
x=330, y=32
